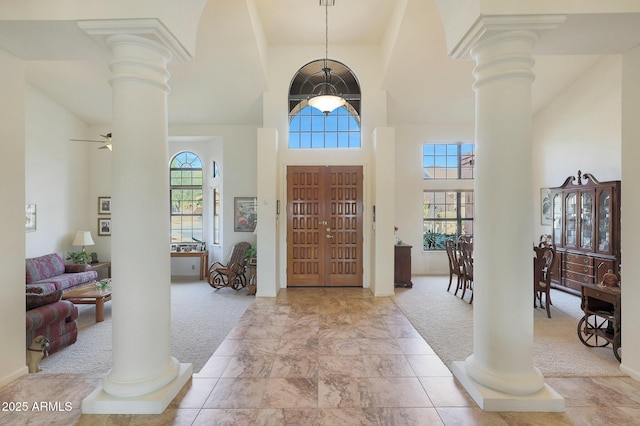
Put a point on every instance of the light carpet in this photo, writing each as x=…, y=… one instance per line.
x=201, y=317
x=446, y=323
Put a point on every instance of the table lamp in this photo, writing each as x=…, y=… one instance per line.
x=83, y=238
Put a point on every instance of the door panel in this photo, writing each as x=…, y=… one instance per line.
x=324, y=226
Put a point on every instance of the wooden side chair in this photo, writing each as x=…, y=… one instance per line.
x=455, y=268
x=542, y=267
x=465, y=246
x=233, y=273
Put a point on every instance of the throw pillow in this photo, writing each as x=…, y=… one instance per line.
x=36, y=300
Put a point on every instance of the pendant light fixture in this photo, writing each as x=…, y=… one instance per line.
x=327, y=98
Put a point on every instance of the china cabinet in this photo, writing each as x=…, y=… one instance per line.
x=586, y=231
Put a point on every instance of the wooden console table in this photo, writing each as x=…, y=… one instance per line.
x=101, y=268
x=402, y=266
x=204, y=259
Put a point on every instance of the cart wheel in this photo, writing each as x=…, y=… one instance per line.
x=617, y=347
x=586, y=331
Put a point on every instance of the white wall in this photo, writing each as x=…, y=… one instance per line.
x=12, y=243
x=57, y=176
x=234, y=149
x=410, y=186
x=579, y=130
x=364, y=61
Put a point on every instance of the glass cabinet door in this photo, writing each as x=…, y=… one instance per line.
x=586, y=220
x=557, y=220
x=604, y=221
x=570, y=220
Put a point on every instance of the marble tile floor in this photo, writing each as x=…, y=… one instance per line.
x=321, y=357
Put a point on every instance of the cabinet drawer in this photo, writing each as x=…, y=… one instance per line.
x=579, y=278
x=579, y=267
x=577, y=258
x=600, y=295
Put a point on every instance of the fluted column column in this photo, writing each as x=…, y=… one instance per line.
x=502, y=358
x=145, y=377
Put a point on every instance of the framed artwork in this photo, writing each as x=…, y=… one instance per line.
x=546, y=212
x=104, y=205
x=104, y=226
x=29, y=217
x=245, y=214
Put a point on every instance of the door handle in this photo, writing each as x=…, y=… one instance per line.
x=329, y=236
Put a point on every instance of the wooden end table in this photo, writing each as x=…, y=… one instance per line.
x=89, y=295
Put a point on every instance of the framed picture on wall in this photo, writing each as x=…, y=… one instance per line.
x=546, y=217
x=104, y=205
x=104, y=226
x=29, y=217
x=245, y=213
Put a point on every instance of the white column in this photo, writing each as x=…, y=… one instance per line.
x=145, y=377
x=502, y=361
x=384, y=241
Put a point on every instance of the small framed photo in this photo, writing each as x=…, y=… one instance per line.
x=29, y=217
x=104, y=226
x=245, y=213
x=104, y=205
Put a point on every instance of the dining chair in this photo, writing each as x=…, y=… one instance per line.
x=542, y=267
x=465, y=246
x=455, y=267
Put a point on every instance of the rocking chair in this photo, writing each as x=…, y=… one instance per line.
x=231, y=274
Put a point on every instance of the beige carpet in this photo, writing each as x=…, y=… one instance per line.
x=446, y=322
x=201, y=317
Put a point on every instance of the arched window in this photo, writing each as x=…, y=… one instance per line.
x=186, y=197
x=311, y=128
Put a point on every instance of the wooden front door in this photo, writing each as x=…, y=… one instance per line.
x=324, y=226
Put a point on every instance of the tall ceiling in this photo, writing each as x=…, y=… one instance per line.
x=224, y=82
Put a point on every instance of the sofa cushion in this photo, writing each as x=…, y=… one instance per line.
x=68, y=281
x=77, y=267
x=40, y=288
x=35, y=300
x=43, y=267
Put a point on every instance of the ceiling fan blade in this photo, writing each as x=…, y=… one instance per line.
x=86, y=140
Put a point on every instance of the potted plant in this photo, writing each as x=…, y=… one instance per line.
x=80, y=257
x=251, y=254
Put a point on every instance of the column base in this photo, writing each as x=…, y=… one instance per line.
x=545, y=400
x=100, y=402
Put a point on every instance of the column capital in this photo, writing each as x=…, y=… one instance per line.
x=150, y=28
x=488, y=26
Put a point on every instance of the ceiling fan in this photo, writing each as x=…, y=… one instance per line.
x=106, y=141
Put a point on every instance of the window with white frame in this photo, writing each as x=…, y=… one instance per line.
x=446, y=215
x=311, y=128
x=186, y=197
x=448, y=160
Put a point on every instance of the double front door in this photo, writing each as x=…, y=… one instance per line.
x=324, y=226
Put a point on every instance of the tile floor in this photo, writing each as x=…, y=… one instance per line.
x=323, y=357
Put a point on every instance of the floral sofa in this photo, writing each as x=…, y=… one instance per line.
x=53, y=318
x=47, y=277
x=49, y=273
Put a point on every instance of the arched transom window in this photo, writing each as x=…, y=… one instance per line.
x=310, y=127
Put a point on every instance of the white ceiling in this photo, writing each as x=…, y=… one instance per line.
x=222, y=84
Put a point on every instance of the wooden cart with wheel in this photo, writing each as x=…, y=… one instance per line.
x=600, y=325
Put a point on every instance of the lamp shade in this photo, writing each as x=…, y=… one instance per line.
x=83, y=238
x=326, y=103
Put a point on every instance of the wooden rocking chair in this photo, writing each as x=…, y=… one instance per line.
x=232, y=274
